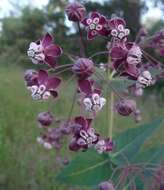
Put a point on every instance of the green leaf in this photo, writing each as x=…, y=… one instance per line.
x=151, y=156
x=120, y=85
x=129, y=142
x=87, y=169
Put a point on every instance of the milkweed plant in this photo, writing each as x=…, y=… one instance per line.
x=116, y=161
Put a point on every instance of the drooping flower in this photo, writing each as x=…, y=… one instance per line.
x=84, y=135
x=117, y=28
x=104, y=145
x=92, y=100
x=44, y=86
x=44, y=51
x=45, y=119
x=96, y=24
x=125, y=107
x=126, y=60
x=75, y=11
x=83, y=67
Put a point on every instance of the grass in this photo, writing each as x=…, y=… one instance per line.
x=24, y=165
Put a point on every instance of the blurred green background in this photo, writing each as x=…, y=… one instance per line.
x=24, y=165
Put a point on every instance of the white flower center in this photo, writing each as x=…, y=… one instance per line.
x=88, y=136
x=120, y=32
x=145, y=79
x=39, y=92
x=94, y=103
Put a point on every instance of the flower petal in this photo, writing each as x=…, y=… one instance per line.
x=114, y=22
x=102, y=20
x=104, y=32
x=54, y=93
x=84, y=22
x=95, y=15
x=91, y=34
x=132, y=71
x=81, y=121
x=53, y=83
x=46, y=40
x=51, y=61
x=118, y=53
x=85, y=86
x=53, y=51
x=42, y=77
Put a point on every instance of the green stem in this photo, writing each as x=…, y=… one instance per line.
x=110, y=105
x=111, y=116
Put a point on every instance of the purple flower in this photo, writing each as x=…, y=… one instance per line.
x=126, y=60
x=44, y=51
x=84, y=135
x=125, y=107
x=117, y=28
x=104, y=145
x=75, y=11
x=44, y=86
x=106, y=186
x=96, y=24
x=83, y=68
x=94, y=103
x=92, y=100
x=45, y=119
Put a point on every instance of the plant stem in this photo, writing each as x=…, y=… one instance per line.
x=82, y=48
x=111, y=118
x=110, y=105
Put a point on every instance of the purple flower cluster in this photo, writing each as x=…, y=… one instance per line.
x=126, y=61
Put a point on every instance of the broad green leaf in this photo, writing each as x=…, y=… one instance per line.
x=153, y=155
x=129, y=142
x=87, y=169
x=120, y=84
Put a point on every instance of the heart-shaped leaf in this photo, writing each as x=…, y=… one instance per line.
x=87, y=169
x=129, y=142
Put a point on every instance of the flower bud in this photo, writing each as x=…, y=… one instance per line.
x=75, y=11
x=30, y=77
x=125, y=107
x=106, y=186
x=83, y=67
x=45, y=118
x=65, y=161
